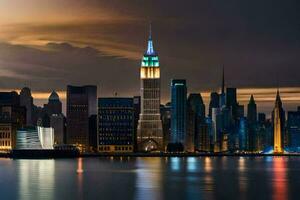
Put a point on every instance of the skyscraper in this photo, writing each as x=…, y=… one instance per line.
x=196, y=125
x=115, y=124
x=150, y=133
x=252, y=111
x=178, y=112
x=137, y=111
x=54, y=105
x=81, y=104
x=222, y=100
x=57, y=122
x=214, y=102
x=231, y=102
x=26, y=100
x=166, y=122
x=252, y=129
x=278, y=142
x=293, y=128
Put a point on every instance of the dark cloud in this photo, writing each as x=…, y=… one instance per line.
x=257, y=41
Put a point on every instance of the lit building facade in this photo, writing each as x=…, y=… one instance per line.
x=178, y=112
x=278, y=142
x=293, y=128
x=35, y=138
x=115, y=125
x=150, y=132
x=11, y=118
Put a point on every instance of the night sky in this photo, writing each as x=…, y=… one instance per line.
x=48, y=44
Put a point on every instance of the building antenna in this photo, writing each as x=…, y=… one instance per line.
x=223, y=79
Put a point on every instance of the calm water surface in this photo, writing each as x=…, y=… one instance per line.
x=275, y=178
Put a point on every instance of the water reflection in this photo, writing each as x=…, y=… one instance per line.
x=208, y=178
x=148, y=182
x=192, y=164
x=175, y=163
x=36, y=179
x=242, y=176
x=151, y=178
x=279, y=179
x=80, y=176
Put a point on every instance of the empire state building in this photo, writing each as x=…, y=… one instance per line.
x=150, y=134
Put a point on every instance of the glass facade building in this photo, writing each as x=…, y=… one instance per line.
x=35, y=138
x=178, y=111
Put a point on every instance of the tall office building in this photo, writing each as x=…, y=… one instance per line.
x=81, y=105
x=293, y=128
x=231, y=102
x=26, y=100
x=242, y=132
x=279, y=106
x=137, y=111
x=150, y=133
x=214, y=102
x=178, y=112
x=195, y=121
x=165, y=111
x=217, y=129
x=11, y=118
x=222, y=99
x=58, y=123
x=252, y=125
x=54, y=105
x=115, y=125
x=252, y=111
x=196, y=103
x=278, y=138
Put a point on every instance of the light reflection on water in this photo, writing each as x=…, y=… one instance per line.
x=151, y=178
x=36, y=179
x=279, y=179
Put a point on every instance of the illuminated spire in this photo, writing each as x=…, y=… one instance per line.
x=150, y=49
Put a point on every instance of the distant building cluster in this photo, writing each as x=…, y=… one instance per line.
x=142, y=124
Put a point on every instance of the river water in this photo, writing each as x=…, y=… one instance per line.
x=173, y=178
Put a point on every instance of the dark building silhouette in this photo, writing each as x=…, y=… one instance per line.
x=81, y=105
x=137, y=111
x=26, y=100
x=165, y=111
x=231, y=102
x=54, y=105
x=261, y=118
x=9, y=98
x=115, y=125
x=240, y=111
x=214, y=102
x=252, y=125
x=195, y=120
x=252, y=111
x=58, y=123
